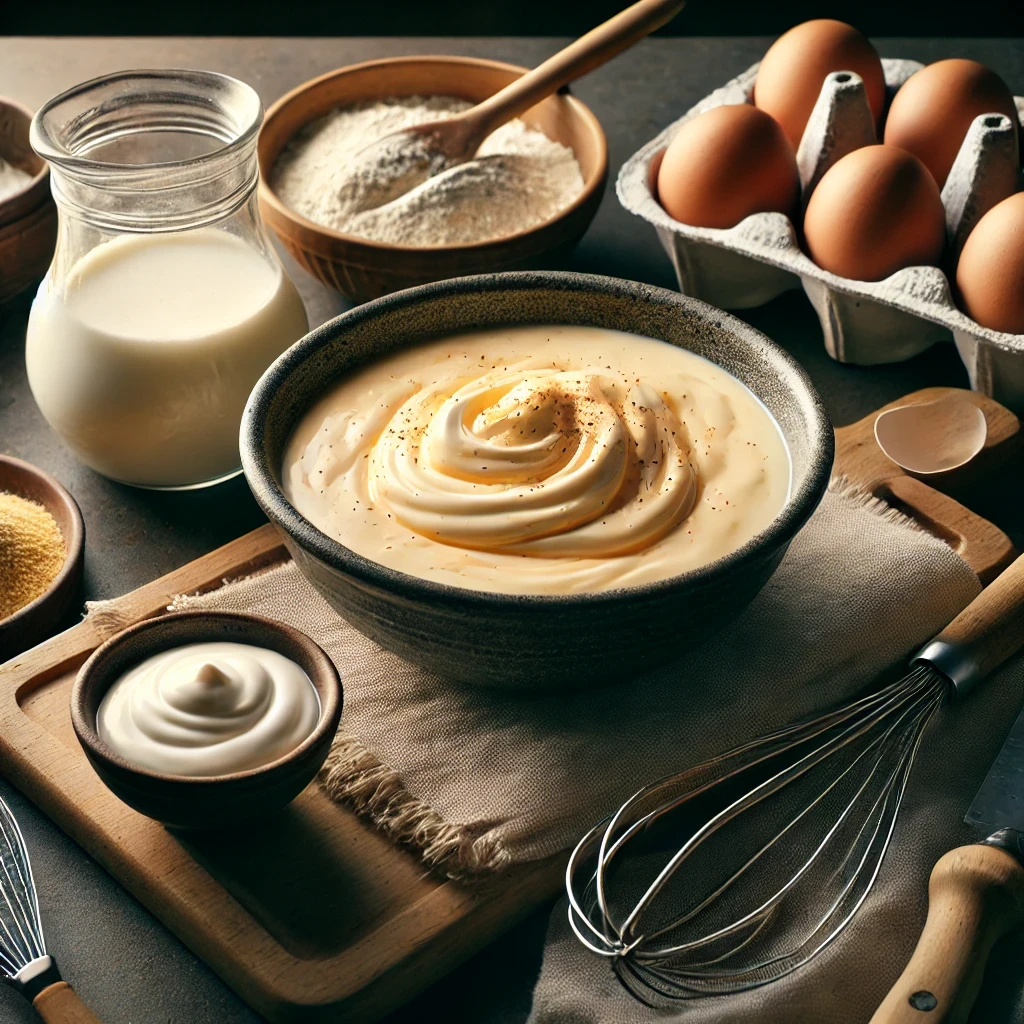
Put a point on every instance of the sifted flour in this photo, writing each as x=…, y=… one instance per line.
x=518, y=179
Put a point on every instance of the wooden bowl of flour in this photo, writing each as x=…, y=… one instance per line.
x=361, y=269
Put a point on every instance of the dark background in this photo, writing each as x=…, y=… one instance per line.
x=998, y=18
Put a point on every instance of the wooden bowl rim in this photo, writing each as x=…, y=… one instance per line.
x=74, y=539
x=37, y=180
x=325, y=680
x=590, y=186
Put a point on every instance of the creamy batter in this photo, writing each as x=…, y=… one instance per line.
x=539, y=460
x=209, y=709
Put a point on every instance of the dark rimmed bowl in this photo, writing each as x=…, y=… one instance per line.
x=51, y=609
x=219, y=800
x=528, y=641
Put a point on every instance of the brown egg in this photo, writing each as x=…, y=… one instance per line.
x=725, y=164
x=990, y=274
x=875, y=211
x=932, y=110
x=793, y=70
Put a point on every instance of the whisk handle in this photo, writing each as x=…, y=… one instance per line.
x=59, y=1004
x=975, y=896
x=984, y=635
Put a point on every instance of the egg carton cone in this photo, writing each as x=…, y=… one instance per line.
x=864, y=322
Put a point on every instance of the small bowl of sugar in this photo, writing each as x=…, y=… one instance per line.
x=523, y=202
x=42, y=543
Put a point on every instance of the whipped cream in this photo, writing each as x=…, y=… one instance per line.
x=539, y=460
x=208, y=709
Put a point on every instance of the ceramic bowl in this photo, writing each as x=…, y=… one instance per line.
x=361, y=269
x=521, y=641
x=28, y=219
x=46, y=613
x=212, y=802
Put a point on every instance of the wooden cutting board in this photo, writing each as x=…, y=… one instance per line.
x=309, y=914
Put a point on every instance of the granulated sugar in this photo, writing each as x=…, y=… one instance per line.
x=518, y=179
x=32, y=552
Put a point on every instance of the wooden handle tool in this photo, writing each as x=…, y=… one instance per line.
x=975, y=896
x=59, y=1004
x=987, y=632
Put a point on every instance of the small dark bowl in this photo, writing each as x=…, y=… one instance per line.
x=215, y=801
x=521, y=641
x=49, y=610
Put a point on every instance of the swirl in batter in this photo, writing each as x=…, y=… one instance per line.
x=539, y=460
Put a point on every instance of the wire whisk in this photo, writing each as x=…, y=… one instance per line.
x=21, y=930
x=24, y=961
x=740, y=870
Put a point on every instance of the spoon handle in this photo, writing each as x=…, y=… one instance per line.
x=590, y=51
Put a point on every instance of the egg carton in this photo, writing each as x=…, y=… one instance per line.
x=864, y=322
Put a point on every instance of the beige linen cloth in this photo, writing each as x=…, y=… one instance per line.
x=476, y=780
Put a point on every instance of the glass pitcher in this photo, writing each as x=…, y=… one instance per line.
x=164, y=302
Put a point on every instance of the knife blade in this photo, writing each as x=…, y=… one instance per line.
x=975, y=896
x=1000, y=800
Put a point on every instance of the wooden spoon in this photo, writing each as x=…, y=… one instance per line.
x=402, y=160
